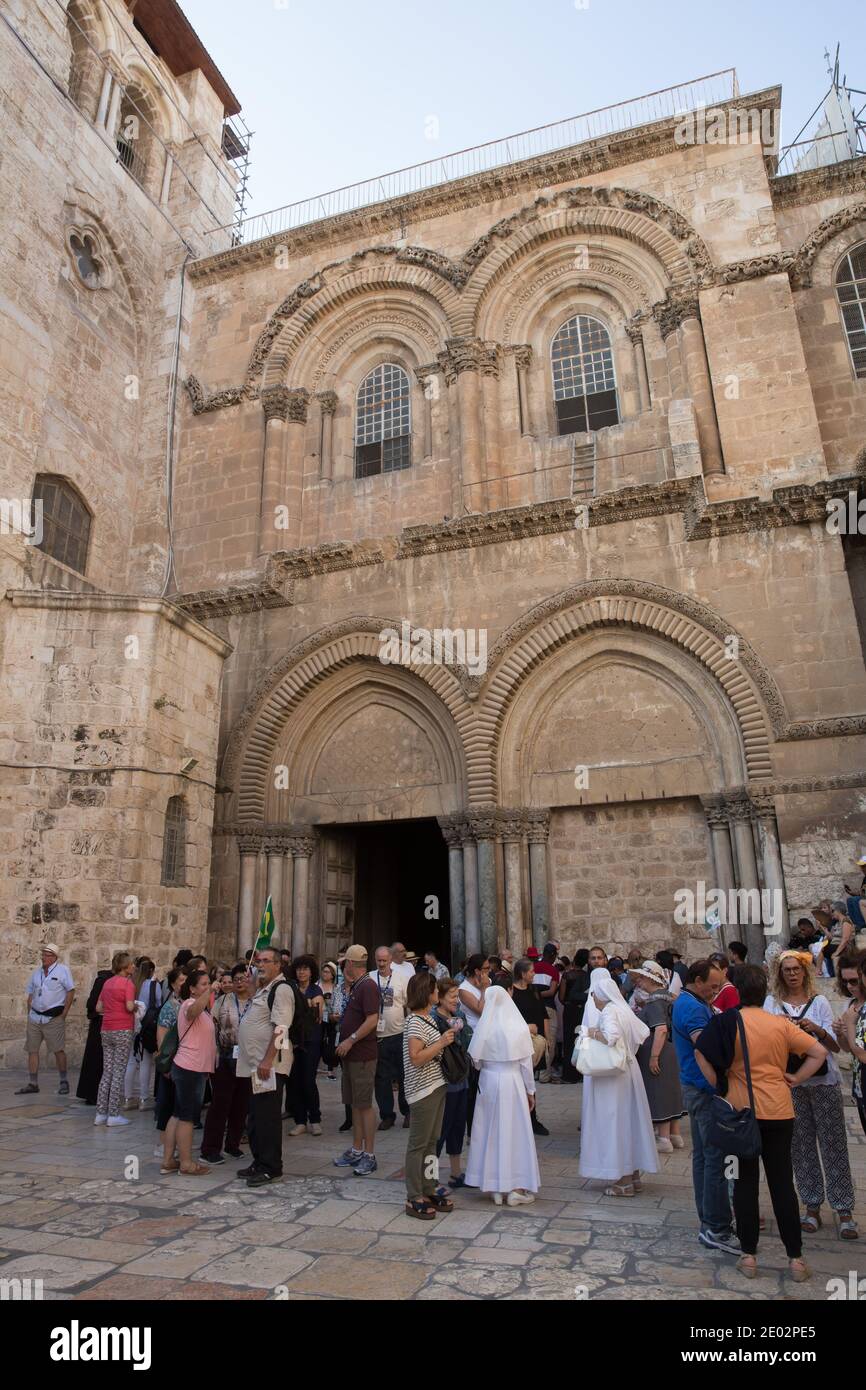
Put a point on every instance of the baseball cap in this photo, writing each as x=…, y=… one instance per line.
x=357, y=954
x=533, y=953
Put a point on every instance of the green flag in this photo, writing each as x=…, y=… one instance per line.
x=266, y=927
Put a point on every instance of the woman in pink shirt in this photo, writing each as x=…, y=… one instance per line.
x=193, y=1063
x=116, y=1004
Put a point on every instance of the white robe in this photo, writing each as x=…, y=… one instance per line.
x=616, y=1128
x=502, y=1153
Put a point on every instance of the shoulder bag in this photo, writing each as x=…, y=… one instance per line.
x=594, y=1058
x=735, y=1131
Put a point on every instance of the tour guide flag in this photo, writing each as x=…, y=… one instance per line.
x=266, y=927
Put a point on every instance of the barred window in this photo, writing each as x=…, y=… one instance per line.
x=174, y=844
x=584, y=385
x=383, y=422
x=65, y=521
x=851, y=291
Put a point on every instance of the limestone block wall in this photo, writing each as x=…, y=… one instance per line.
x=103, y=700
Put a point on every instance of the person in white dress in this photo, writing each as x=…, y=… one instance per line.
x=616, y=1138
x=502, y=1158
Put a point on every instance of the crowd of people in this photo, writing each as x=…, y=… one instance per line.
x=238, y=1052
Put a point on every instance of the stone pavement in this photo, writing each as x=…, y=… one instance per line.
x=86, y=1211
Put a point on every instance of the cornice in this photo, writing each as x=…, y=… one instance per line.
x=847, y=178
x=274, y=590
x=565, y=165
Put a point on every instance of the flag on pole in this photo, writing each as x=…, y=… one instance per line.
x=266, y=927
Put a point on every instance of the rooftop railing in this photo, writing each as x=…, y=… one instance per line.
x=528, y=144
x=817, y=153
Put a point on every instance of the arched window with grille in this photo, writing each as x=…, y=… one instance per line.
x=584, y=384
x=383, y=422
x=65, y=521
x=174, y=844
x=851, y=293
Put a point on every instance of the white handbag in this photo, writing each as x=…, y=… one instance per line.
x=594, y=1058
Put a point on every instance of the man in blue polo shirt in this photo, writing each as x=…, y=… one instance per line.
x=691, y=1013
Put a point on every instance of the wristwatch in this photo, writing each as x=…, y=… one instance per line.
x=354, y=1037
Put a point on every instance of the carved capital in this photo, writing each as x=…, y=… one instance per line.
x=250, y=839
x=764, y=804
x=468, y=355
x=673, y=310
x=512, y=825
x=276, y=844
x=482, y=823
x=537, y=825
x=452, y=830
x=302, y=846
x=327, y=401
x=634, y=326
x=738, y=808
x=522, y=354
x=275, y=402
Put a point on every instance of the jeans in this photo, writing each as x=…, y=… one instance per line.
x=708, y=1165
x=454, y=1121
x=389, y=1069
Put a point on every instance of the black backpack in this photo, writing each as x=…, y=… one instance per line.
x=304, y=1019
x=147, y=1033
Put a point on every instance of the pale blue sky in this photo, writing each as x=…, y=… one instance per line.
x=340, y=90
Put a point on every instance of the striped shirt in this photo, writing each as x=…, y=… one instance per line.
x=419, y=1082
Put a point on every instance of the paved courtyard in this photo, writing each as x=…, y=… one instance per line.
x=86, y=1211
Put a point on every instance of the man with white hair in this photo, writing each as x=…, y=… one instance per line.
x=50, y=992
x=399, y=964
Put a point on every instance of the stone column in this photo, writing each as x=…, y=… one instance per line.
x=249, y=844
x=327, y=406
x=462, y=362
x=450, y=827
x=166, y=178
x=538, y=829
x=113, y=108
x=667, y=315
x=493, y=489
x=774, y=873
x=512, y=830
x=483, y=825
x=285, y=412
x=302, y=847
x=697, y=374
x=276, y=848
x=470, y=890
x=635, y=333
x=720, y=840
x=102, y=109
x=522, y=362
x=428, y=380
x=739, y=810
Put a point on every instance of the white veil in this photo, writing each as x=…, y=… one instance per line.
x=633, y=1030
x=502, y=1034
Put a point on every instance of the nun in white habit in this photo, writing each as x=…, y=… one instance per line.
x=616, y=1133
x=502, y=1158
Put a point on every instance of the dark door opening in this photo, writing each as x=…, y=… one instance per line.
x=401, y=887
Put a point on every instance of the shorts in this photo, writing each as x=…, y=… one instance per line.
x=357, y=1083
x=52, y=1031
x=188, y=1093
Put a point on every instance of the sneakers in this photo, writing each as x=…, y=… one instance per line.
x=720, y=1240
x=213, y=1159
x=366, y=1164
x=246, y=1172
x=518, y=1199
x=297, y=1131
x=234, y=1153
x=101, y=1119
x=262, y=1179
x=678, y=1141
x=664, y=1145
x=349, y=1158
x=315, y=1128
x=116, y=1120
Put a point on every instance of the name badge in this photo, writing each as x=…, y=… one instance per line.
x=235, y=1052
x=380, y=1026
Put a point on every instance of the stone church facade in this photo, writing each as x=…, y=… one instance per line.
x=578, y=417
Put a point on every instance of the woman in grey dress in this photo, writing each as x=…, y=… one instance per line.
x=656, y=1056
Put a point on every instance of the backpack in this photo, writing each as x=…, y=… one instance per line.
x=147, y=1035
x=165, y=1056
x=304, y=1019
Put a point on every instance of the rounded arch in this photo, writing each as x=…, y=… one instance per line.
x=354, y=642
x=85, y=30
x=819, y=254
x=332, y=337
x=749, y=690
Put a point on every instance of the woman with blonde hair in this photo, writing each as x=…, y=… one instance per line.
x=819, y=1120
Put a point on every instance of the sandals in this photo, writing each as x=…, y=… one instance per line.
x=799, y=1271
x=440, y=1200
x=422, y=1210
x=619, y=1189
x=198, y=1170
x=28, y=1090
x=847, y=1226
x=811, y=1222
x=459, y=1181
x=748, y=1265
x=167, y=1168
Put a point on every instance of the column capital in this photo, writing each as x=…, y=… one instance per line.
x=327, y=401
x=522, y=353
x=537, y=825
x=302, y=846
x=452, y=828
x=715, y=810
x=250, y=838
x=764, y=804
x=738, y=808
x=285, y=403
x=482, y=823
x=512, y=825
x=276, y=844
x=673, y=310
x=634, y=325
x=468, y=355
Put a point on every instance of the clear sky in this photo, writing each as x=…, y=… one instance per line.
x=340, y=90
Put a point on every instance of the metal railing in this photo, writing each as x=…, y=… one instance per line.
x=528, y=144
x=817, y=153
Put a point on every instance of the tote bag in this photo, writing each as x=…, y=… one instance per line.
x=594, y=1058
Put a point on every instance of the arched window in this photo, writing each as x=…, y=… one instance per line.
x=174, y=844
x=851, y=290
x=85, y=71
x=383, y=422
x=584, y=385
x=65, y=521
x=134, y=137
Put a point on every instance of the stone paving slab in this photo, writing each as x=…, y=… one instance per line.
x=70, y=1215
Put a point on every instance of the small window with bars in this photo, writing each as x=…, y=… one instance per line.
x=584, y=384
x=65, y=521
x=383, y=422
x=174, y=844
x=851, y=292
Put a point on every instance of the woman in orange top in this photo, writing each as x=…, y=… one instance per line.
x=719, y=1055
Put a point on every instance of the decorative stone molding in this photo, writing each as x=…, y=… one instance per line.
x=250, y=840
x=452, y=828
x=483, y=822
x=217, y=400
x=327, y=401
x=277, y=844
x=840, y=221
x=297, y=404
x=302, y=846
x=805, y=786
x=275, y=402
x=468, y=355
x=522, y=354
x=841, y=727
x=715, y=811
x=276, y=590
x=537, y=825
x=633, y=326
x=367, y=326
x=512, y=824
x=845, y=179
x=764, y=805
x=739, y=808
x=775, y=263
x=673, y=310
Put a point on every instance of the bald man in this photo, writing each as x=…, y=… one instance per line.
x=399, y=964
